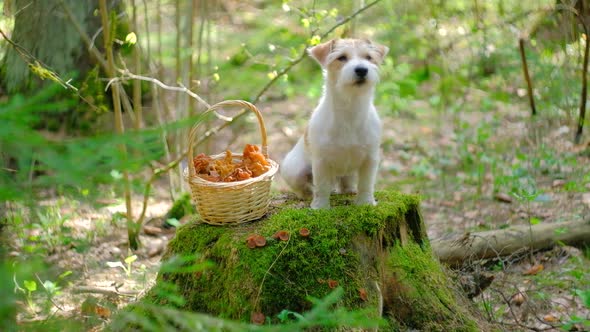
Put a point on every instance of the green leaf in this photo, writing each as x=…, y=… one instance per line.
x=305, y=22
x=131, y=259
x=585, y=296
x=116, y=174
x=131, y=38
x=30, y=285
x=173, y=222
x=315, y=40
x=50, y=287
x=534, y=220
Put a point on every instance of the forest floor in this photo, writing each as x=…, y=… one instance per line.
x=459, y=163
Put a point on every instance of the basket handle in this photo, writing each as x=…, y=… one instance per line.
x=239, y=103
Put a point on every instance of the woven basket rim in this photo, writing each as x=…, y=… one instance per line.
x=195, y=179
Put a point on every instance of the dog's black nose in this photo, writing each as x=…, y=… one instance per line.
x=361, y=71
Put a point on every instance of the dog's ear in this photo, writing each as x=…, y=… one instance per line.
x=320, y=52
x=382, y=50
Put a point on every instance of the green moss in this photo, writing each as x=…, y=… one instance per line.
x=416, y=284
x=354, y=246
x=181, y=207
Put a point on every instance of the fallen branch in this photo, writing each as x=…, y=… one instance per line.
x=104, y=291
x=504, y=242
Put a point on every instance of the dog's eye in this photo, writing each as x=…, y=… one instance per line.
x=342, y=58
x=368, y=57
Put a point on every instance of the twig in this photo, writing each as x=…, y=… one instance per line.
x=104, y=291
x=268, y=271
x=48, y=293
x=380, y=293
x=584, y=81
x=181, y=88
x=527, y=77
x=127, y=75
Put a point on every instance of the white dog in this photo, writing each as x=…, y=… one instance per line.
x=341, y=143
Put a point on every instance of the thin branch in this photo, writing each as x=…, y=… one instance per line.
x=48, y=293
x=584, y=96
x=268, y=271
x=127, y=75
x=104, y=291
x=527, y=77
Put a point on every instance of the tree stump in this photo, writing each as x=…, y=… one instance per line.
x=380, y=257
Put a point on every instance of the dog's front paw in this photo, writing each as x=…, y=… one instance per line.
x=319, y=203
x=365, y=200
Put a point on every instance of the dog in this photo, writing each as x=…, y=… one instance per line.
x=340, y=146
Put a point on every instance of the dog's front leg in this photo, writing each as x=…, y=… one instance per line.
x=366, y=183
x=323, y=182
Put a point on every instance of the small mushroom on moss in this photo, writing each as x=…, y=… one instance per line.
x=304, y=232
x=260, y=241
x=251, y=243
x=363, y=294
x=281, y=235
x=332, y=283
x=257, y=318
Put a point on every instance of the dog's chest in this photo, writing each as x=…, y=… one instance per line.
x=346, y=145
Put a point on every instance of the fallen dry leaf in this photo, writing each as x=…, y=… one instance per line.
x=103, y=312
x=332, y=283
x=151, y=230
x=502, y=197
x=534, y=270
x=257, y=318
x=518, y=299
x=550, y=318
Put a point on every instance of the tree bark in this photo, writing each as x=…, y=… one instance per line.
x=42, y=29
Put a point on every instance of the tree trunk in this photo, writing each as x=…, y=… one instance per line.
x=41, y=28
x=504, y=242
x=380, y=256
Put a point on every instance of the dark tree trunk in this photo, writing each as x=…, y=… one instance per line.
x=42, y=29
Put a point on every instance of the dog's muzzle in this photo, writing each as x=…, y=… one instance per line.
x=361, y=74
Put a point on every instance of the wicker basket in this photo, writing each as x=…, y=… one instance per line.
x=229, y=203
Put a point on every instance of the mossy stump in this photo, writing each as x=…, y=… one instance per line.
x=379, y=255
